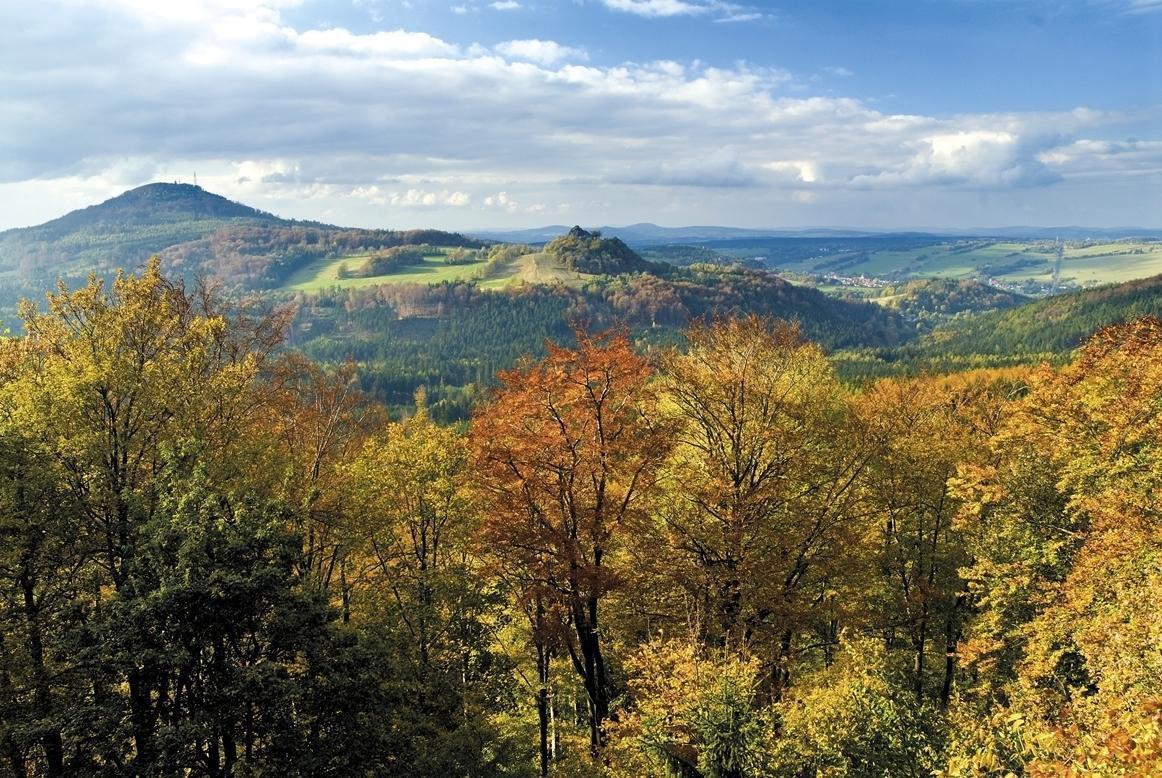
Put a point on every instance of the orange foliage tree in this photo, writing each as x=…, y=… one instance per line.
x=565, y=456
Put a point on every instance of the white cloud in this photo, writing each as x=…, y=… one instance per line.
x=659, y=7
x=737, y=18
x=502, y=201
x=393, y=43
x=725, y=12
x=505, y=5
x=1083, y=158
x=308, y=122
x=535, y=50
x=979, y=157
x=418, y=198
x=797, y=171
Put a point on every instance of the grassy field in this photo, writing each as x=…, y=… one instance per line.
x=1010, y=261
x=325, y=274
x=532, y=269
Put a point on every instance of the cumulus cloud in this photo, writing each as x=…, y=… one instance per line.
x=724, y=12
x=1129, y=157
x=418, y=198
x=314, y=122
x=536, y=50
x=981, y=158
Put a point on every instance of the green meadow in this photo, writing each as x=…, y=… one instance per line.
x=538, y=268
x=324, y=274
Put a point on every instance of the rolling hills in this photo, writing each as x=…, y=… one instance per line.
x=1053, y=325
x=194, y=231
x=434, y=308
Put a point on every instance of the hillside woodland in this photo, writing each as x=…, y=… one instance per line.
x=220, y=558
x=588, y=252
x=454, y=337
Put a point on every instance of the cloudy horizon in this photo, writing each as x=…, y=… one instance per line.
x=514, y=113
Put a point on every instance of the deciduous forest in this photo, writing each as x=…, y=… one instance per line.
x=219, y=558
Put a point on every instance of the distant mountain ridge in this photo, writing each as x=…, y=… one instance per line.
x=647, y=234
x=150, y=204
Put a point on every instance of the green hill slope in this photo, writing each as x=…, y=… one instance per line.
x=123, y=231
x=1051, y=325
x=453, y=337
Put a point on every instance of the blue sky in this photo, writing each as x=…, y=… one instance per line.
x=504, y=113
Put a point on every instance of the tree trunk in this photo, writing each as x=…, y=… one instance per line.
x=554, y=740
x=951, y=639
x=50, y=736
x=592, y=669
x=543, y=706
x=141, y=722
x=781, y=675
x=921, y=642
x=12, y=751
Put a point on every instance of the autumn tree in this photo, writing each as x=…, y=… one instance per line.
x=760, y=496
x=565, y=456
x=694, y=713
x=926, y=428
x=318, y=420
x=1064, y=526
x=418, y=586
x=107, y=378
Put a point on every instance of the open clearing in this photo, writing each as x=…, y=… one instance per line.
x=537, y=268
x=325, y=274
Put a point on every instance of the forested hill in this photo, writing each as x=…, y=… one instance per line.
x=124, y=230
x=454, y=337
x=194, y=231
x=944, y=297
x=588, y=252
x=218, y=559
x=1051, y=325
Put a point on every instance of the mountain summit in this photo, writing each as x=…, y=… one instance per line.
x=124, y=230
x=151, y=204
x=588, y=252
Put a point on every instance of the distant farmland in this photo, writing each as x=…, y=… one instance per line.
x=1012, y=262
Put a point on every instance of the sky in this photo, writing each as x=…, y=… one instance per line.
x=477, y=114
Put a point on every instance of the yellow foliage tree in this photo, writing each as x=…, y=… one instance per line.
x=1068, y=537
